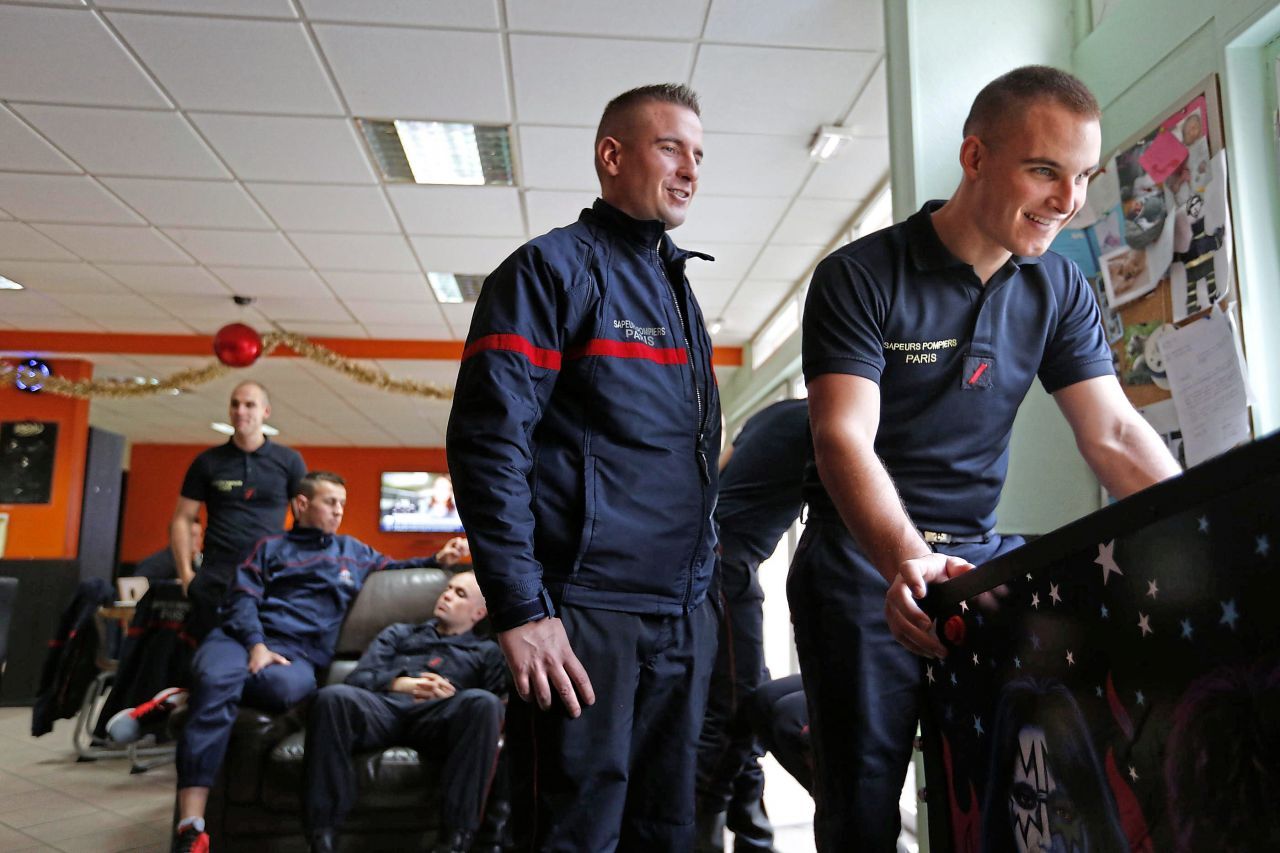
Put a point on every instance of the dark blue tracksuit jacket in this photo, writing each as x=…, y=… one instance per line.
x=298, y=586
x=585, y=428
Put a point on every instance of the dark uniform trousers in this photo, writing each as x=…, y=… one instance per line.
x=862, y=687
x=220, y=683
x=726, y=744
x=463, y=730
x=780, y=718
x=205, y=592
x=621, y=776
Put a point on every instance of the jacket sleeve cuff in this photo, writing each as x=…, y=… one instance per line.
x=251, y=640
x=521, y=613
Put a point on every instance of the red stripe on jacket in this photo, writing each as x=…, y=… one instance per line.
x=540, y=357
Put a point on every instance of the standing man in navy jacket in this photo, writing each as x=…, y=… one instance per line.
x=584, y=439
x=280, y=622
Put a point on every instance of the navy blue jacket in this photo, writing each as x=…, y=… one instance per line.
x=295, y=588
x=585, y=428
x=466, y=660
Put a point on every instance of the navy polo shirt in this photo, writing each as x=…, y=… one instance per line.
x=760, y=492
x=245, y=497
x=953, y=359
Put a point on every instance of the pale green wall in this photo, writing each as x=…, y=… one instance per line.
x=1182, y=43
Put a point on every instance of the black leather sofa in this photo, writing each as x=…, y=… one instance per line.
x=255, y=804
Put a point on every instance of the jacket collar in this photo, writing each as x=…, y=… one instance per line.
x=309, y=537
x=645, y=233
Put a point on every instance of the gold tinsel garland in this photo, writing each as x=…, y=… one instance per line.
x=194, y=376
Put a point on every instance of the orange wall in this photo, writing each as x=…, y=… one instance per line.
x=52, y=530
x=156, y=472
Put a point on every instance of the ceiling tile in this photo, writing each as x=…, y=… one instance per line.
x=237, y=248
x=546, y=94
x=126, y=142
x=424, y=74
x=259, y=283
x=785, y=263
x=840, y=24
x=26, y=307
x=250, y=8
x=373, y=252
x=59, y=277
x=433, y=331
x=855, y=174
x=439, y=372
x=272, y=148
x=62, y=198
x=462, y=211
x=165, y=325
x=870, y=116
x=54, y=47
x=21, y=242
x=116, y=244
x=302, y=207
x=377, y=312
x=814, y=222
x=732, y=260
x=459, y=317
x=94, y=306
x=221, y=64
x=324, y=330
x=283, y=310
x=395, y=286
x=207, y=314
x=22, y=149
x=549, y=209
x=735, y=165
x=558, y=158
x=191, y=204
x=470, y=255
x=780, y=77
x=48, y=323
x=471, y=14
x=669, y=19
x=154, y=278
x=725, y=219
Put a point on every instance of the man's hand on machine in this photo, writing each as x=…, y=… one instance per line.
x=910, y=625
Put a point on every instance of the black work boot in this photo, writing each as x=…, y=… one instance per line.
x=750, y=825
x=709, y=832
x=453, y=841
x=324, y=841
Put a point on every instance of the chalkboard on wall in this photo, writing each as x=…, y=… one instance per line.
x=26, y=461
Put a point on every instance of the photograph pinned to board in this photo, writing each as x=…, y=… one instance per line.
x=1201, y=274
x=1077, y=244
x=1143, y=361
x=1133, y=271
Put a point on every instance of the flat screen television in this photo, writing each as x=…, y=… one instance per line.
x=417, y=502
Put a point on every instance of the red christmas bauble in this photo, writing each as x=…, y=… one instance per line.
x=237, y=345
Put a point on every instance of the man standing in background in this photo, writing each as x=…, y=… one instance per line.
x=245, y=486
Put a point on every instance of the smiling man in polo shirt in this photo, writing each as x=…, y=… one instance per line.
x=920, y=342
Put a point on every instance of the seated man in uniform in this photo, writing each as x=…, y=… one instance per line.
x=280, y=621
x=434, y=687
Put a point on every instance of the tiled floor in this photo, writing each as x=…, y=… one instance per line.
x=49, y=802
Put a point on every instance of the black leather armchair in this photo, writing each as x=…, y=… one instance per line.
x=255, y=804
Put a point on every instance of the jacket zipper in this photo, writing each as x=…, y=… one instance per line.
x=697, y=394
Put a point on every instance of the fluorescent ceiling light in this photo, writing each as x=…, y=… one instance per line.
x=715, y=327
x=455, y=287
x=9, y=284
x=828, y=142
x=228, y=429
x=437, y=152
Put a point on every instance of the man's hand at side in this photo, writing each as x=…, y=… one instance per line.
x=541, y=660
x=261, y=657
x=910, y=625
x=428, y=685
